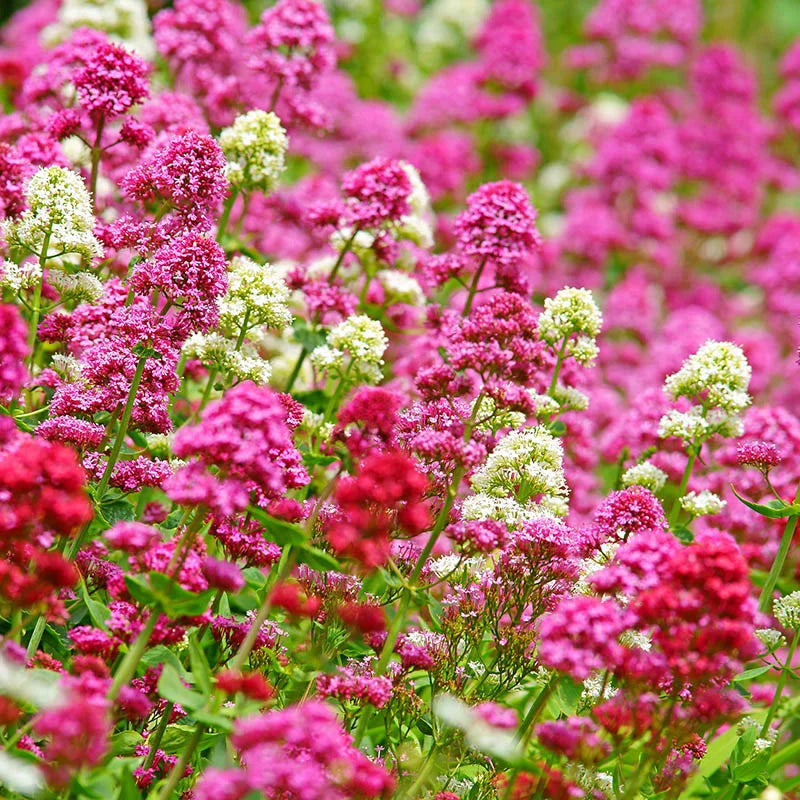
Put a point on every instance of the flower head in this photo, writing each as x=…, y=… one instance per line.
x=255, y=150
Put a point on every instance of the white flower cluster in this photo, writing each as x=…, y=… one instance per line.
x=80, y=287
x=716, y=378
x=125, y=21
x=400, y=287
x=59, y=212
x=771, y=638
x=717, y=375
x=572, y=312
x=255, y=149
x=16, y=277
x=786, y=610
x=525, y=464
x=704, y=503
x=363, y=340
x=218, y=351
x=645, y=474
x=257, y=290
x=416, y=226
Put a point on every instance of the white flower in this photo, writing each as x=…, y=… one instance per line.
x=257, y=290
x=400, y=287
x=571, y=311
x=255, y=149
x=645, y=474
x=786, y=610
x=771, y=638
x=703, y=503
x=526, y=464
x=363, y=340
x=81, y=286
x=125, y=21
x=59, y=214
x=213, y=349
x=717, y=376
x=16, y=277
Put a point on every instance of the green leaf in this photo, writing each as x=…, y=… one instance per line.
x=786, y=755
x=116, y=511
x=311, y=460
x=683, y=535
x=97, y=611
x=771, y=510
x=558, y=428
x=170, y=687
x=128, y=790
x=177, y=601
x=215, y=721
x=125, y=743
x=752, y=768
x=140, y=590
x=749, y=674
x=201, y=671
x=309, y=338
x=160, y=654
x=278, y=530
x=314, y=400
x=317, y=559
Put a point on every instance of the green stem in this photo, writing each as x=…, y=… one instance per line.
x=226, y=213
x=37, y=300
x=557, y=370
x=342, y=253
x=158, y=735
x=776, y=700
x=687, y=473
x=536, y=708
x=473, y=288
x=243, y=331
x=212, y=376
x=296, y=370
x=765, y=598
x=96, y=152
x=127, y=668
x=176, y=773
x=123, y=428
x=36, y=637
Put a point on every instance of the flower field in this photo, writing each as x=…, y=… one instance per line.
x=399, y=399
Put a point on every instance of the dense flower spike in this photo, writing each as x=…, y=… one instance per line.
x=307, y=489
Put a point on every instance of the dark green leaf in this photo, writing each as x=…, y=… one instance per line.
x=140, y=590
x=769, y=510
x=314, y=400
x=116, y=511
x=128, y=790
x=309, y=338
x=201, y=671
x=97, y=611
x=317, y=559
x=749, y=674
x=558, y=428
x=126, y=742
x=215, y=721
x=170, y=687
x=278, y=530
x=177, y=601
x=684, y=535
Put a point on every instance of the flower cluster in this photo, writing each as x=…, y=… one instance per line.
x=399, y=400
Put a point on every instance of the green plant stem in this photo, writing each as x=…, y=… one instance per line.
x=158, y=735
x=212, y=376
x=36, y=637
x=243, y=331
x=537, y=707
x=784, y=676
x=95, y=168
x=226, y=213
x=37, y=300
x=473, y=288
x=123, y=429
x=298, y=365
x=176, y=773
x=557, y=369
x=765, y=598
x=127, y=668
x=687, y=473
